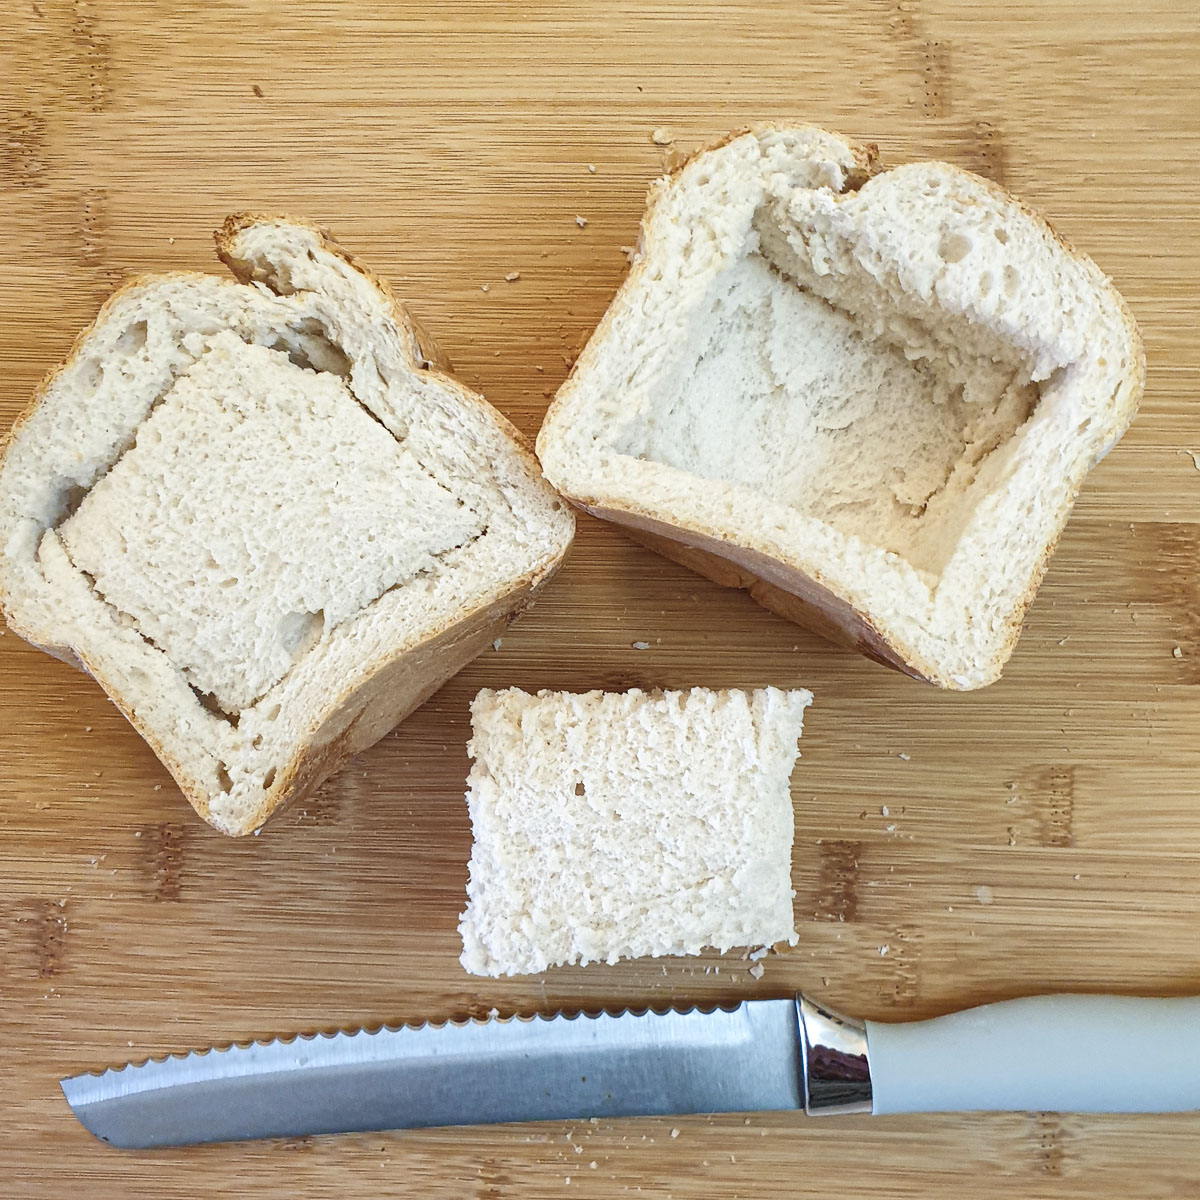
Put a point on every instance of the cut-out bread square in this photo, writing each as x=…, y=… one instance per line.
x=611, y=825
x=263, y=521
x=868, y=396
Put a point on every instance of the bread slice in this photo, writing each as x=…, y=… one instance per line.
x=869, y=396
x=262, y=520
x=615, y=825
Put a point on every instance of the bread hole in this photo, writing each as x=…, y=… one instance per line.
x=256, y=741
x=272, y=713
x=985, y=283
x=579, y=789
x=954, y=247
x=133, y=339
x=299, y=632
x=69, y=497
x=91, y=373
x=228, y=583
x=223, y=778
x=1012, y=280
x=268, y=779
x=1001, y=235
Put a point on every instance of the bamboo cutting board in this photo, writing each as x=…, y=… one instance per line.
x=1042, y=834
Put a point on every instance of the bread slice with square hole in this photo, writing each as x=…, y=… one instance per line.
x=261, y=518
x=868, y=396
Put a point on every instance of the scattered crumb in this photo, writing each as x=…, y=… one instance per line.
x=581, y=221
x=158, y=787
x=256, y=90
x=592, y=168
x=137, y=833
x=674, y=1133
x=641, y=645
x=512, y=277
x=889, y=829
x=984, y=894
x=1194, y=456
x=756, y=971
x=630, y=253
x=904, y=757
x=1177, y=652
x=592, y=1165
x=87, y=729
x=883, y=811
x=760, y=953
x=1077, y=876
x=483, y=287
x=1064, y=641
x=497, y=643
x=884, y=949
x=662, y=136
x=567, y=1179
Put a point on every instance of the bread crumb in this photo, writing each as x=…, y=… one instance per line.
x=1194, y=455
x=592, y=1165
x=904, y=757
x=984, y=894
x=170, y=241
x=641, y=645
x=581, y=221
x=137, y=833
x=760, y=953
x=497, y=643
x=512, y=277
x=662, y=136
x=483, y=287
x=1177, y=652
x=884, y=949
x=756, y=971
x=889, y=829
x=158, y=787
x=630, y=253
x=591, y=168
x=674, y=1133
x=883, y=811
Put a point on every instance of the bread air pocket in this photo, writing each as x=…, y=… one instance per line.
x=868, y=396
x=263, y=521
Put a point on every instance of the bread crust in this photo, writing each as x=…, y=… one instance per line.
x=363, y=711
x=793, y=590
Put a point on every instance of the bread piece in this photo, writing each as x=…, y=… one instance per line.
x=615, y=825
x=261, y=520
x=868, y=396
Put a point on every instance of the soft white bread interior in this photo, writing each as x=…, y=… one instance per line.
x=869, y=396
x=612, y=825
x=255, y=513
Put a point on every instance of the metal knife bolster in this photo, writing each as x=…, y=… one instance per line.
x=835, y=1067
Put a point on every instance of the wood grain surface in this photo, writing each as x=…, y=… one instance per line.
x=1042, y=834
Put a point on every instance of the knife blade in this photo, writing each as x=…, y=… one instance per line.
x=1071, y=1053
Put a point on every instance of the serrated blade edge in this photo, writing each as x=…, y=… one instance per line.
x=477, y=1072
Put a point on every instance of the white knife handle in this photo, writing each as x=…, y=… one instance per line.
x=1052, y=1053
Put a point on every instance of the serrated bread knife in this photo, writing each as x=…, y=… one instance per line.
x=1078, y=1053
